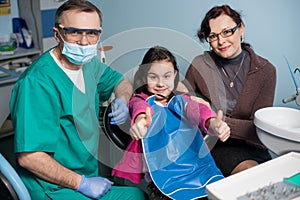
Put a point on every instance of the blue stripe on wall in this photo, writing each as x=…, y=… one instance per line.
x=48, y=22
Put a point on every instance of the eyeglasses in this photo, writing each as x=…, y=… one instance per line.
x=225, y=33
x=75, y=34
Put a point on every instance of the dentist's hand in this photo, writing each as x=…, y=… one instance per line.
x=119, y=111
x=141, y=124
x=219, y=127
x=94, y=187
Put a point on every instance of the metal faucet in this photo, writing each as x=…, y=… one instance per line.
x=295, y=97
x=298, y=89
x=298, y=98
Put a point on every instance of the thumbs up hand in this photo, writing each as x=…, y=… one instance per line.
x=219, y=127
x=141, y=124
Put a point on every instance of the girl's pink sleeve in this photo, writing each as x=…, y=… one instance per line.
x=137, y=105
x=198, y=113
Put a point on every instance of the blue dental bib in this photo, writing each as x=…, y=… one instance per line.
x=177, y=157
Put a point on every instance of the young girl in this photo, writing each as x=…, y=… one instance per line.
x=175, y=154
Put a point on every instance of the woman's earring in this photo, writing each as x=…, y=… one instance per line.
x=210, y=48
x=242, y=39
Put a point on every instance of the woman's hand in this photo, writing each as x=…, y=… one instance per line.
x=200, y=100
x=221, y=128
x=141, y=124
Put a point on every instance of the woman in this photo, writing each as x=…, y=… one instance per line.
x=236, y=80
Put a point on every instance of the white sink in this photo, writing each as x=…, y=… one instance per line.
x=278, y=128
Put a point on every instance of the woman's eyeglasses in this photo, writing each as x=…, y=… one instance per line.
x=75, y=34
x=225, y=33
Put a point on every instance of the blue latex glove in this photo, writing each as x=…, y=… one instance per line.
x=119, y=111
x=94, y=187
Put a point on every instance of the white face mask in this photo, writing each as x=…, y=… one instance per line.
x=78, y=54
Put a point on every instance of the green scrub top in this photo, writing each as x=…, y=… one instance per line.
x=50, y=114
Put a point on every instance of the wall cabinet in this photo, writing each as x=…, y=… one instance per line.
x=39, y=16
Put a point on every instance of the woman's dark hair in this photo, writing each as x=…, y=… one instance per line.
x=213, y=13
x=80, y=5
x=154, y=54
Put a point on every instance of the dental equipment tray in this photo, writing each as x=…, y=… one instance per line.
x=265, y=181
x=279, y=190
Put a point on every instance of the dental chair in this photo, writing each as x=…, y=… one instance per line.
x=120, y=139
x=117, y=134
x=11, y=185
